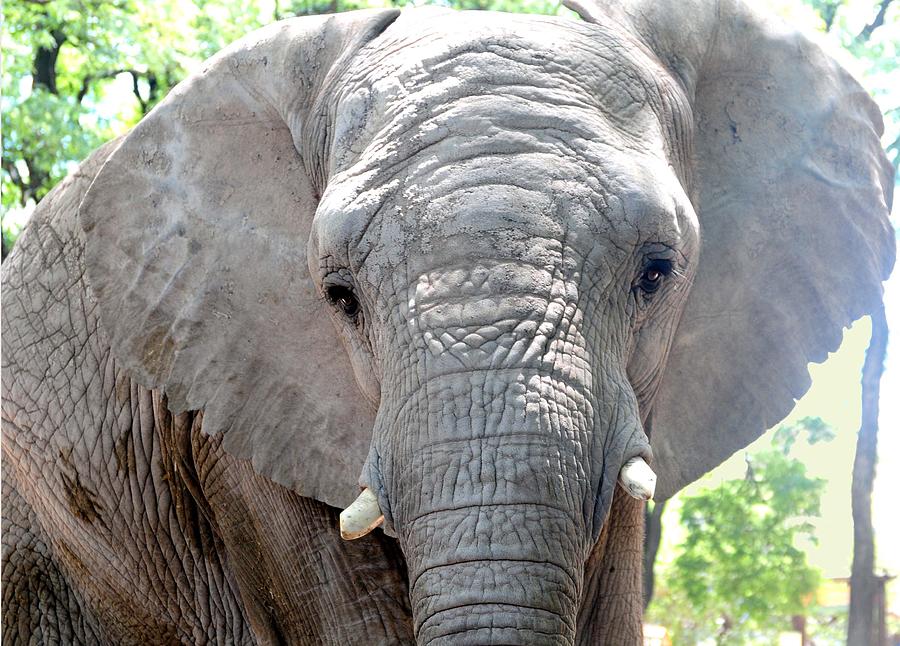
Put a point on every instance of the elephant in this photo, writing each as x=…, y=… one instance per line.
x=487, y=282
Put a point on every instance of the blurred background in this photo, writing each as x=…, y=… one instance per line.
x=759, y=551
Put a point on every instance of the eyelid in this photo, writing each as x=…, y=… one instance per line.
x=337, y=279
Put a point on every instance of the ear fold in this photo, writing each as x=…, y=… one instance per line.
x=196, y=230
x=792, y=190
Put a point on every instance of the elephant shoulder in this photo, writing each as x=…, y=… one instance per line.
x=50, y=329
x=54, y=223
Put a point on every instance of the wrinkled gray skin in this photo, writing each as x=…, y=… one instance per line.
x=501, y=219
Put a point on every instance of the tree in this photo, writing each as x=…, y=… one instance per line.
x=60, y=59
x=653, y=513
x=740, y=573
x=863, y=627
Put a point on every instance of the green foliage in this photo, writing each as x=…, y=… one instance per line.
x=740, y=573
x=827, y=626
x=62, y=62
x=816, y=431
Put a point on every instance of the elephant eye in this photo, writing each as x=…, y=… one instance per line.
x=654, y=273
x=344, y=299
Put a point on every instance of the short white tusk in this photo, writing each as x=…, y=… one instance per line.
x=361, y=517
x=638, y=478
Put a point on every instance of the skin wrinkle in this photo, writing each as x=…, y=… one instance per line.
x=387, y=176
x=472, y=606
x=25, y=552
x=370, y=225
x=37, y=485
x=460, y=561
x=413, y=375
x=596, y=39
x=518, y=576
x=492, y=371
x=392, y=136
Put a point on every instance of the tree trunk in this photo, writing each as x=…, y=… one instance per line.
x=861, y=629
x=44, y=72
x=652, y=539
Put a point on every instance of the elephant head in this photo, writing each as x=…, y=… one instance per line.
x=476, y=264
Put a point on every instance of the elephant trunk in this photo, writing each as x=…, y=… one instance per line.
x=491, y=494
x=502, y=594
x=493, y=575
x=497, y=448
x=494, y=567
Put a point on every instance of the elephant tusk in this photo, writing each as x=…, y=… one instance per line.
x=638, y=479
x=361, y=517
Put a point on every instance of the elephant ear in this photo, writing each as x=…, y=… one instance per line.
x=792, y=191
x=196, y=234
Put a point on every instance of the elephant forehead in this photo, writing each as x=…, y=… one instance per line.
x=495, y=124
x=444, y=202
x=470, y=73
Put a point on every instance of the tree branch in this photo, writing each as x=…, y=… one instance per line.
x=90, y=78
x=866, y=33
x=652, y=540
x=136, y=91
x=829, y=13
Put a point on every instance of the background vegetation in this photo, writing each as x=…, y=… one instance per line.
x=79, y=72
x=740, y=574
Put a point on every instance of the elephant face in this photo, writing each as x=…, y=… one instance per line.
x=502, y=224
x=493, y=271
x=497, y=161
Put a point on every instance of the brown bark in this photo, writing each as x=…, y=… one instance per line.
x=862, y=629
x=43, y=76
x=877, y=22
x=44, y=72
